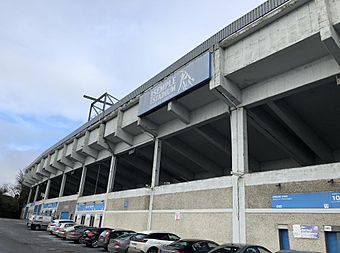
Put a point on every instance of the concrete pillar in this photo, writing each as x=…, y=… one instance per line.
x=36, y=194
x=155, y=177
x=82, y=181
x=29, y=195
x=112, y=174
x=239, y=147
x=62, y=186
x=47, y=191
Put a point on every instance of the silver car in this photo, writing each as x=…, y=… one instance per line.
x=150, y=241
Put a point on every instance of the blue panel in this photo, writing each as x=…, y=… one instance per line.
x=331, y=242
x=284, y=239
x=197, y=72
x=64, y=215
x=307, y=200
x=90, y=207
x=126, y=204
x=50, y=205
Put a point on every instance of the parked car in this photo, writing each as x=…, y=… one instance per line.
x=296, y=251
x=120, y=244
x=37, y=222
x=106, y=235
x=52, y=225
x=90, y=237
x=189, y=246
x=60, y=231
x=76, y=234
x=150, y=241
x=239, y=248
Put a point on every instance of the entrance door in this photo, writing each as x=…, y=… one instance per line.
x=332, y=245
x=82, y=221
x=64, y=215
x=91, y=221
x=284, y=239
x=100, y=221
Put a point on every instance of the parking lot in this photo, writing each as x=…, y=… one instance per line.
x=15, y=237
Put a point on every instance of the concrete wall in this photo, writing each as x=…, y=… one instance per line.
x=260, y=196
x=207, y=225
x=136, y=221
x=67, y=206
x=262, y=228
x=134, y=203
x=206, y=199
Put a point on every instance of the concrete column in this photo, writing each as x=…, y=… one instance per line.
x=36, y=194
x=112, y=174
x=62, y=186
x=82, y=181
x=239, y=147
x=47, y=191
x=155, y=177
x=29, y=195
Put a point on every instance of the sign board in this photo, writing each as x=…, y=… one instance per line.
x=306, y=232
x=307, y=200
x=177, y=84
x=177, y=216
x=50, y=205
x=126, y=204
x=90, y=207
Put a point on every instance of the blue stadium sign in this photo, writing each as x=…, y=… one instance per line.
x=50, y=205
x=90, y=207
x=179, y=83
x=307, y=200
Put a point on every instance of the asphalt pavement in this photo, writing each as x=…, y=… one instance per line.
x=15, y=237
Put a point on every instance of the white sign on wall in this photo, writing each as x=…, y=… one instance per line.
x=177, y=216
x=306, y=231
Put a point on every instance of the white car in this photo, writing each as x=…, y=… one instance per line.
x=54, y=223
x=150, y=241
x=60, y=230
x=37, y=222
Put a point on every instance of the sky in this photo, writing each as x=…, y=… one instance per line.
x=52, y=52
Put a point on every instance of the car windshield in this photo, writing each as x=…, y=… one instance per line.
x=180, y=244
x=126, y=236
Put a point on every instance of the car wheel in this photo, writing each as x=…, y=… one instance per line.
x=105, y=248
x=152, y=251
x=37, y=227
x=32, y=227
x=95, y=244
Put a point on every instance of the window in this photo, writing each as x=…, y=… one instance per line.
x=173, y=237
x=251, y=250
x=227, y=249
x=263, y=250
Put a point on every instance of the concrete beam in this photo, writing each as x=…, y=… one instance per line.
x=87, y=149
x=64, y=160
x=139, y=164
x=179, y=111
x=120, y=133
x=47, y=190
x=75, y=155
x=57, y=165
x=191, y=154
x=36, y=193
x=329, y=36
x=112, y=174
x=239, y=142
x=289, y=81
x=222, y=87
x=82, y=181
x=62, y=186
x=41, y=171
x=215, y=138
x=302, y=130
x=29, y=195
x=276, y=133
x=148, y=126
x=101, y=141
x=49, y=167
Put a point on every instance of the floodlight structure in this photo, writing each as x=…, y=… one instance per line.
x=99, y=105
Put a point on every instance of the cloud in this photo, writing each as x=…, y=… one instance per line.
x=54, y=52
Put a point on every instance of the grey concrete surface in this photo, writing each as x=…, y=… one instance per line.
x=15, y=237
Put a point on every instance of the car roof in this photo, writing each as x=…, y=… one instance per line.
x=240, y=245
x=147, y=232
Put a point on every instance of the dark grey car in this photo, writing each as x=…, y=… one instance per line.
x=120, y=244
x=296, y=251
x=239, y=248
